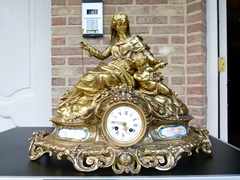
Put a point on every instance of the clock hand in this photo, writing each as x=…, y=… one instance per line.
x=118, y=122
x=125, y=126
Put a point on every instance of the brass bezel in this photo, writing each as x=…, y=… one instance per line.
x=111, y=139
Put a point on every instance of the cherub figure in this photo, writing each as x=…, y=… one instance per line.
x=148, y=84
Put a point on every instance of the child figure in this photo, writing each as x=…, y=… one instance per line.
x=148, y=85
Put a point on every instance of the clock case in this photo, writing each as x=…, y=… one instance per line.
x=163, y=141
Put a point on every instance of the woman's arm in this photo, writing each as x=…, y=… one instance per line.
x=152, y=61
x=149, y=56
x=96, y=53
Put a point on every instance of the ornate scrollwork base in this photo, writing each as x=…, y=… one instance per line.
x=165, y=138
x=161, y=155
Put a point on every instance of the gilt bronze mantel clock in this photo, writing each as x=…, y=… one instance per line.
x=121, y=114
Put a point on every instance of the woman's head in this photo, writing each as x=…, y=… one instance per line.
x=116, y=17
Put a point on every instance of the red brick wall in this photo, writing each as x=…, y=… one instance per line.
x=196, y=60
x=174, y=29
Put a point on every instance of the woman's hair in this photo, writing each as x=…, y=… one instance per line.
x=113, y=31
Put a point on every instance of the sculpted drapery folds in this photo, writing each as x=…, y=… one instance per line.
x=123, y=45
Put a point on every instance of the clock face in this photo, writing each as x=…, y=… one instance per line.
x=124, y=124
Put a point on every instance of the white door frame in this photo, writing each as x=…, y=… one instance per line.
x=223, y=100
x=216, y=82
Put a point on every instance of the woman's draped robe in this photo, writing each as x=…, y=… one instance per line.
x=81, y=100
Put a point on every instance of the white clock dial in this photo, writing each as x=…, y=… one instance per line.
x=124, y=124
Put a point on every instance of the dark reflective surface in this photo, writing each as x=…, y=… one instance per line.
x=14, y=160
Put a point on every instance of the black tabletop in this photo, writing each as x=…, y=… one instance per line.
x=14, y=161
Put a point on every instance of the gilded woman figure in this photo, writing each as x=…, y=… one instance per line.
x=123, y=44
